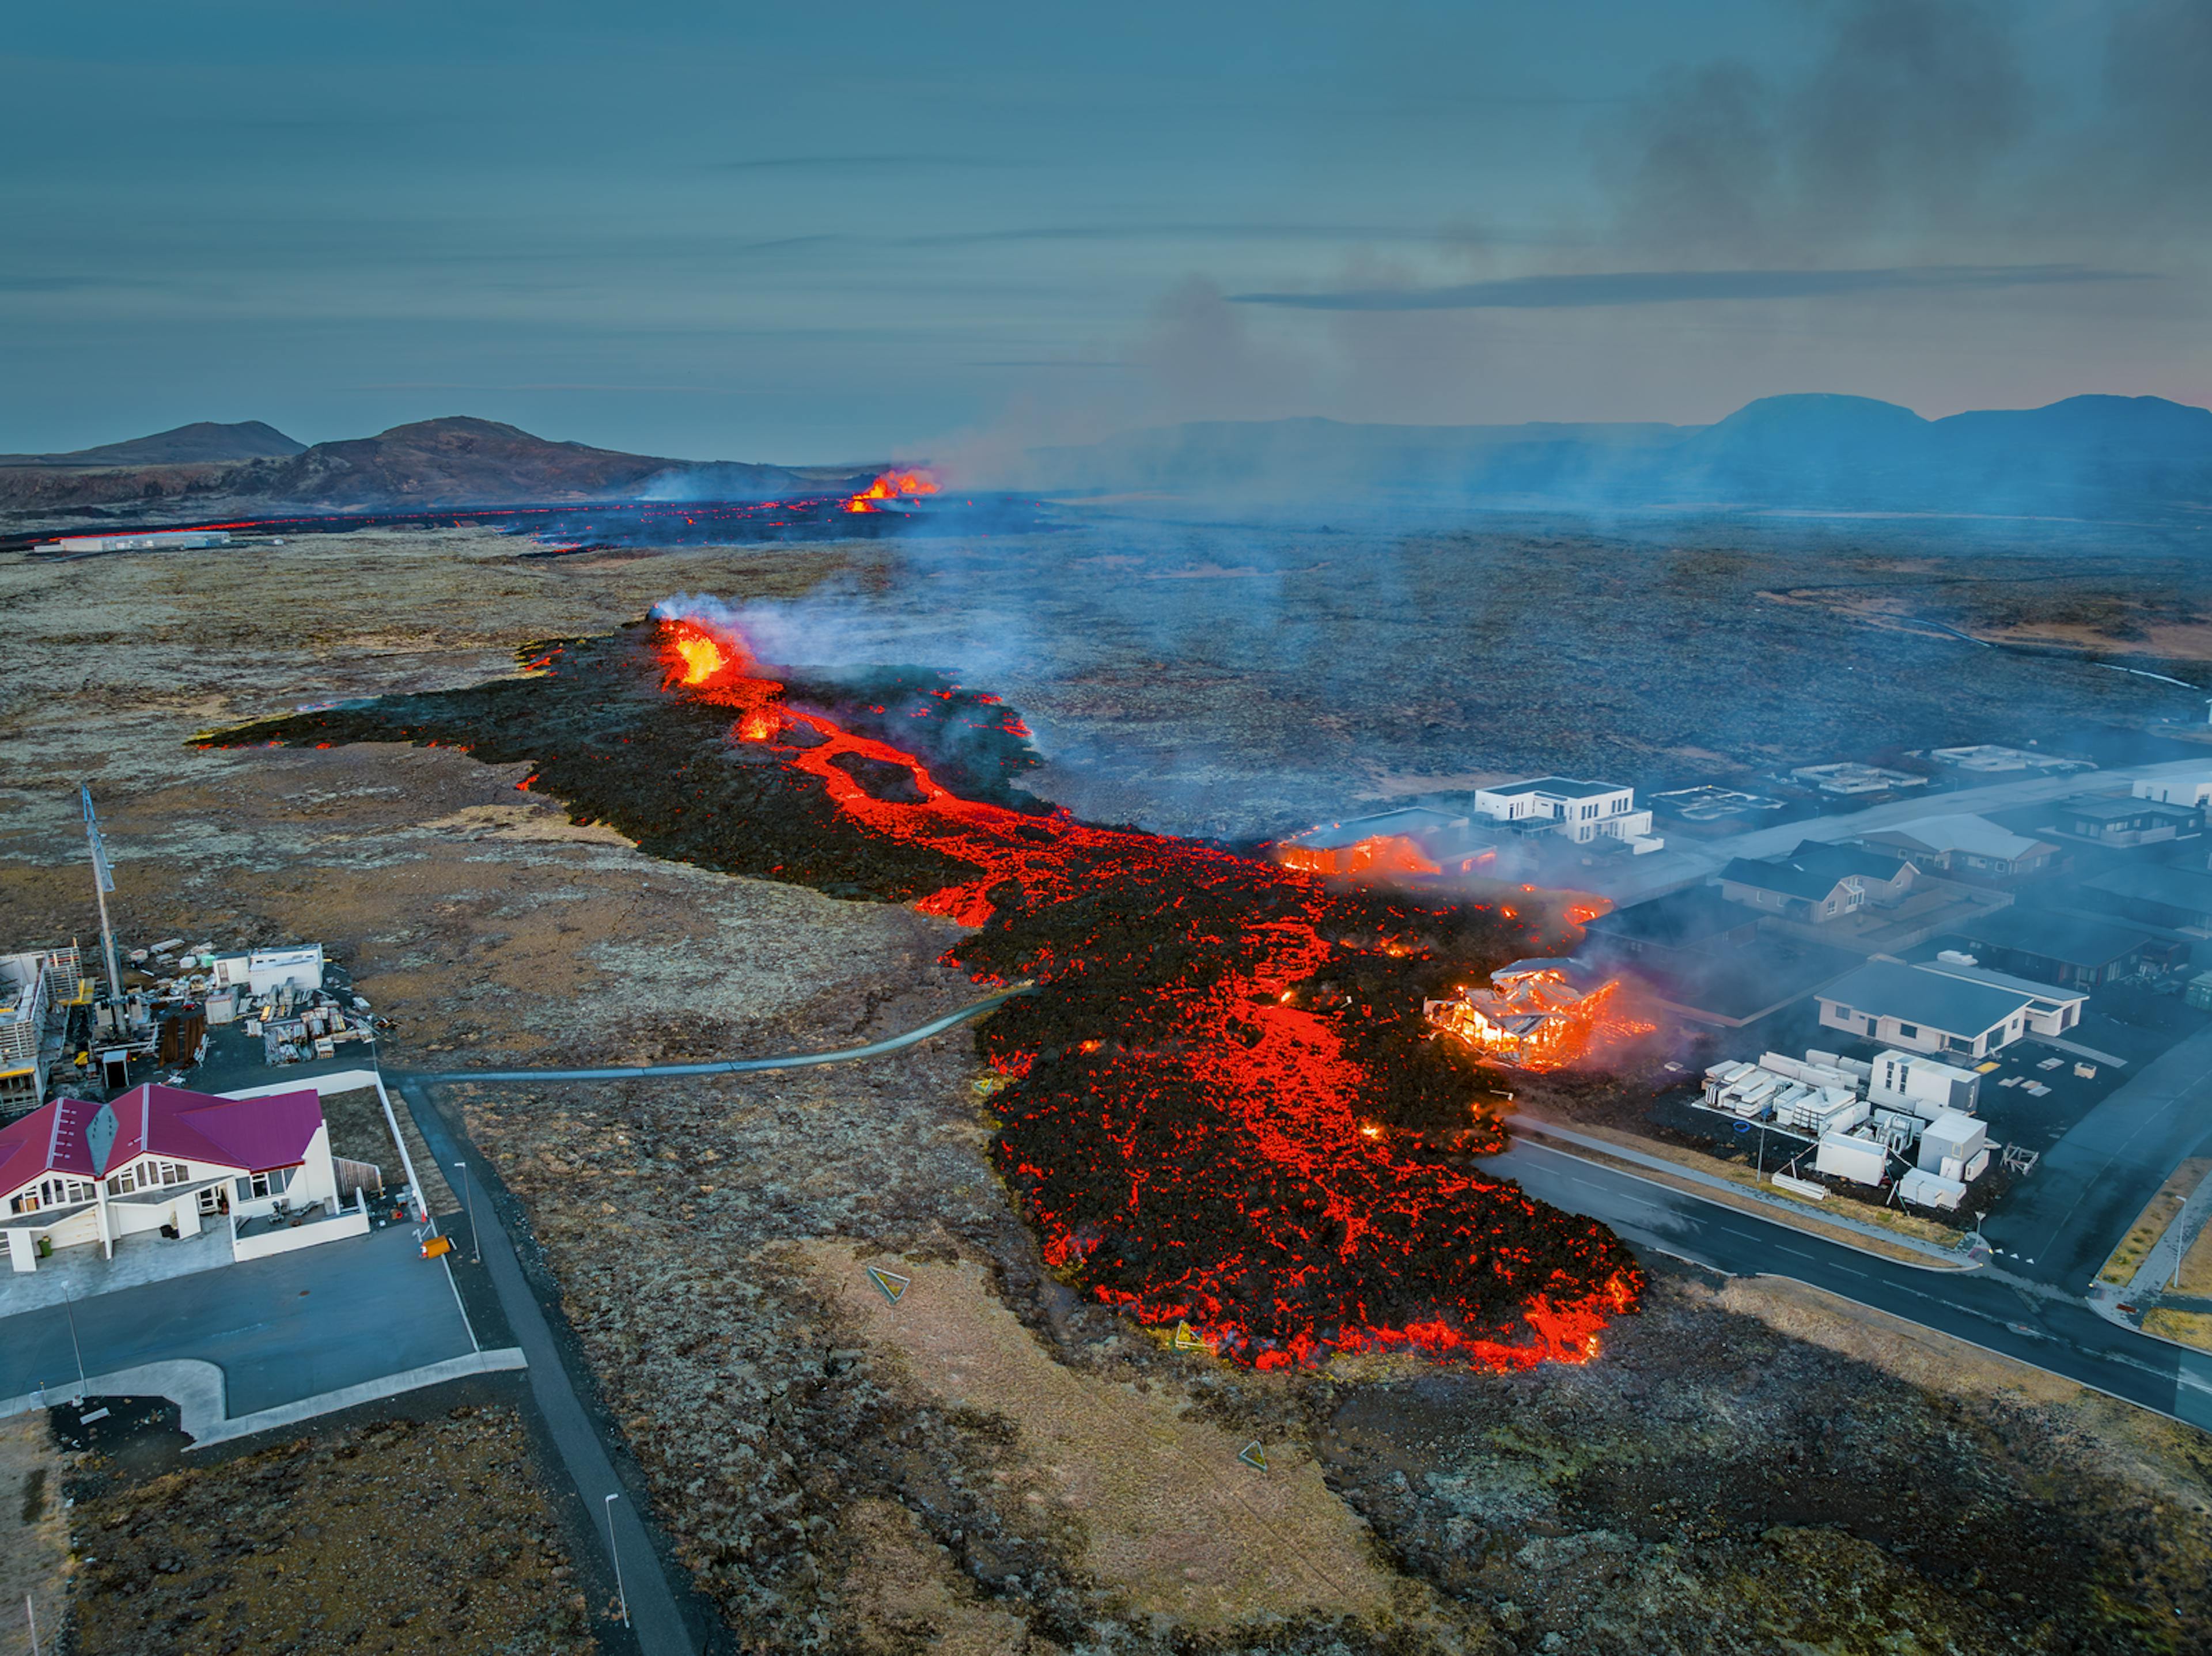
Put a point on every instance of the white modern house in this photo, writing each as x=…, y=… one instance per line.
x=2177, y=790
x=1932, y=1008
x=160, y=1160
x=1579, y=812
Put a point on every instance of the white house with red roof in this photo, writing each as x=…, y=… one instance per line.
x=157, y=1158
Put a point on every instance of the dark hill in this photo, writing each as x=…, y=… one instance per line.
x=456, y=462
x=201, y=440
x=2097, y=458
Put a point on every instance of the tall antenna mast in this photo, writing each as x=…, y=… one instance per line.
x=103, y=882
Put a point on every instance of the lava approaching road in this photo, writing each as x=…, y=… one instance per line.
x=1214, y=1110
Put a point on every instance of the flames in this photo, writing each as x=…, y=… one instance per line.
x=699, y=658
x=894, y=486
x=1534, y=1017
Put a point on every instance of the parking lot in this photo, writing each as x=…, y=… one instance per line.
x=281, y=1329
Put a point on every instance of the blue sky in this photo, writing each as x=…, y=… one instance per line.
x=810, y=234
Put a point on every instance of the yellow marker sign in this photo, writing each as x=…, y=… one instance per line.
x=889, y=1284
x=1186, y=1340
x=1253, y=1455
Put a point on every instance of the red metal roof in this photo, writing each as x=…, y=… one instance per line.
x=252, y=1135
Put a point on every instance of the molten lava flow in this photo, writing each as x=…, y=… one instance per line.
x=894, y=486
x=1217, y=1106
x=1190, y=1130
x=1533, y=1017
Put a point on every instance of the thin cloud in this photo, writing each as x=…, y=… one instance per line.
x=1546, y=293
x=852, y=163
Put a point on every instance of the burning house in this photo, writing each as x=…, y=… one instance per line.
x=1417, y=840
x=1533, y=1015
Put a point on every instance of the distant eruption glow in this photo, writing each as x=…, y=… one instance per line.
x=894, y=486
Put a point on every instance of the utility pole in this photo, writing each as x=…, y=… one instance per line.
x=103, y=882
x=32, y=1616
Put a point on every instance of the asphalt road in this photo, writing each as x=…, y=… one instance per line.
x=1688, y=862
x=282, y=1328
x=2061, y=1223
x=1991, y=1307
x=656, y=1615
x=739, y=1065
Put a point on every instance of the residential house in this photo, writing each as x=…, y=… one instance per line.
x=1695, y=919
x=1970, y=846
x=162, y=1160
x=1922, y=1010
x=2052, y=1010
x=1580, y=811
x=1817, y=883
x=2179, y=899
x=1416, y=840
x=2062, y=949
x=2126, y=820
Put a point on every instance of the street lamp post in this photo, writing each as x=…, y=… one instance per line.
x=69, y=1302
x=475, y=1253
x=614, y=1551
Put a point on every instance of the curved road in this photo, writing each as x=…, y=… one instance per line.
x=2010, y=1314
x=738, y=1065
x=665, y=1620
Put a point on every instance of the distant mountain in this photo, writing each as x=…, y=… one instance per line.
x=201, y=440
x=2100, y=457
x=453, y=462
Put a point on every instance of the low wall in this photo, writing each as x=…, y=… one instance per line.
x=291, y=1238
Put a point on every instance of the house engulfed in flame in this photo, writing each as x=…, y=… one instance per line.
x=1534, y=1014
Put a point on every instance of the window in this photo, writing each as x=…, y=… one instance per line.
x=27, y=1203
x=1907, y=1031
x=125, y=1182
x=209, y=1200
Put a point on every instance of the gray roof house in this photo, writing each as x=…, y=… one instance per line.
x=1923, y=1009
x=1817, y=883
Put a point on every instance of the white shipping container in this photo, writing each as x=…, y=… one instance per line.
x=1928, y=1190
x=1842, y=1157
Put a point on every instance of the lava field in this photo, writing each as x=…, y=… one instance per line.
x=1223, y=1106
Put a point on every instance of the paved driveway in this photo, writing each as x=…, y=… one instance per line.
x=282, y=1329
x=2071, y=1212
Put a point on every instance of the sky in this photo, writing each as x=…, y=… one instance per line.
x=813, y=234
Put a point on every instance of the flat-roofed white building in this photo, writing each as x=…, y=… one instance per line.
x=2177, y=790
x=1578, y=810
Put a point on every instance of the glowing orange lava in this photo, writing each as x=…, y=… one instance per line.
x=702, y=657
x=894, y=486
x=1534, y=1017
x=1318, y=1211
